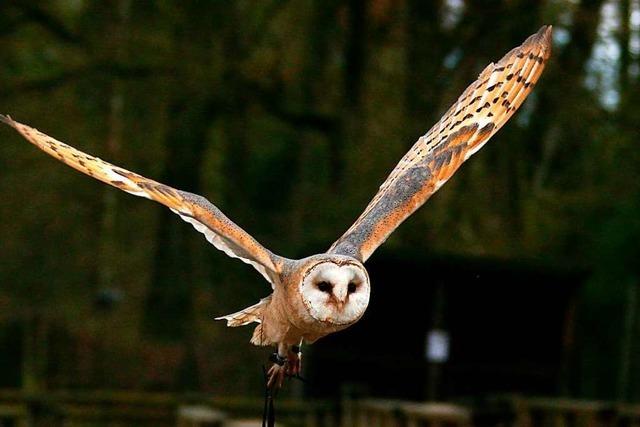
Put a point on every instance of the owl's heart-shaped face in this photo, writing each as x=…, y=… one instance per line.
x=336, y=292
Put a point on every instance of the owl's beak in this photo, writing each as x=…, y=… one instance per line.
x=341, y=294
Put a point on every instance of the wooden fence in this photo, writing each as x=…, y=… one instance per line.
x=393, y=413
x=120, y=409
x=546, y=412
x=124, y=409
x=505, y=411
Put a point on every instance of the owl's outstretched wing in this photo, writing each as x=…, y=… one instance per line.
x=478, y=113
x=219, y=230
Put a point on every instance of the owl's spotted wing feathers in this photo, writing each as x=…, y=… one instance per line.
x=219, y=230
x=478, y=113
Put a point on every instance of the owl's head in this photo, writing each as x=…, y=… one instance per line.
x=335, y=290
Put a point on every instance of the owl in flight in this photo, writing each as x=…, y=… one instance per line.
x=327, y=292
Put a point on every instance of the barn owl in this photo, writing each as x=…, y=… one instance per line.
x=328, y=292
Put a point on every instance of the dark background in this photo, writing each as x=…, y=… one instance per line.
x=288, y=115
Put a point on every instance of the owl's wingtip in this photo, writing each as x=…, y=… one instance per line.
x=7, y=120
x=544, y=34
x=223, y=318
x=542, y=37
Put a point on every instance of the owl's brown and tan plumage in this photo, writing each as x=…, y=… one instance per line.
x=325, y=293
x=478, y=113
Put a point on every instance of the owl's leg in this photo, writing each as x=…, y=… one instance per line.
x=277, y=372
x=287, y=362
x=294, y=367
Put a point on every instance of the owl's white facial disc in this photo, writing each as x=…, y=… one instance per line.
x=336, y=292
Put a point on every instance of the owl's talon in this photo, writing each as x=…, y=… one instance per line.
x=275, y=376
x=284, y=366
x=294, y=365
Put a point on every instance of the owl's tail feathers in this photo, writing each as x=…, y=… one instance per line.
x=248, y=315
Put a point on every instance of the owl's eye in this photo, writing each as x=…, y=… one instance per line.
x=324, y=287
x=351, y=288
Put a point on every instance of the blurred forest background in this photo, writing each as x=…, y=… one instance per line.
x=288, y=115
